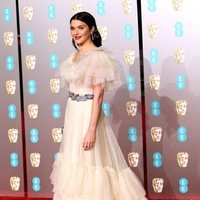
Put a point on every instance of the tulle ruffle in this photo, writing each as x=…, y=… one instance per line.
x=98, y=66
x=80, y=181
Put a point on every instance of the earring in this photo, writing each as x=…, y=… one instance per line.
x=92, y=36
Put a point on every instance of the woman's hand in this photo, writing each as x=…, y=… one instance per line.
x=89, y=139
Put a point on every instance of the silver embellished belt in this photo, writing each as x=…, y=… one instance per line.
x=77, y=97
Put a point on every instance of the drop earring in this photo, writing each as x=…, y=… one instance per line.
x=92, y=36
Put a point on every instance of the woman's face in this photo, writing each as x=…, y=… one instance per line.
x=80, y=32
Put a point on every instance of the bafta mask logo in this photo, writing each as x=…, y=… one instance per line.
x=55, y=85
x=76, y=7
x=33, y=111
x=8, y=38
x=35, y=159
x=182, y=158
x=127, y=6
x=177, y=4
x=11, y=87
x=129, y=57
x=154, y=82
x=14, y=183
x=53, y=36
x=152, y=30
x=181, y=107
x=133, y=159
x=179, y=55
x=131, y=107
x=13, y=135
x=103, y=30
x=156, y=134
x=57, y=135
x=30, y=62
x=157, y=184
x=28, y=13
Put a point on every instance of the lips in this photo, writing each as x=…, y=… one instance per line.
x=77, y=37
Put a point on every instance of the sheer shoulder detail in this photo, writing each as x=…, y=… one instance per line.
x=98, y=66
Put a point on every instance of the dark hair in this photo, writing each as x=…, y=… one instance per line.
x=90, y=21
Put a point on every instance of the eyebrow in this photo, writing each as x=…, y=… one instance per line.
x=78, y=26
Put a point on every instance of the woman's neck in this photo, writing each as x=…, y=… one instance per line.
x=86, y=47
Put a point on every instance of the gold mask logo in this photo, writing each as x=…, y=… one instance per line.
x=13, y=135
x=33, y=111
x=179, y=55
x=53, y=36
x=156, y=133
x=57, y=135
x=129, y=57
x=8, y=38
x=182, y=158
x=55, y=85
x=133, y=159
x=28, y=13
x=157, y=184
x=181, y=107
x=152, y=30
x=76, y=7
x=154, y=82
x=127, y=6
x=35, y=159
x=30, y=62
x=103, y=30
x=14, y=183
x=131, y=107
x=11, y=86
x=177, y=4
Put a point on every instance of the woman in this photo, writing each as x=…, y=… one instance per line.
x=90, y=164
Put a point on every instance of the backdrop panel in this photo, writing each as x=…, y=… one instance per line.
x=11, y=155
x=172, y=95
x=45, y=43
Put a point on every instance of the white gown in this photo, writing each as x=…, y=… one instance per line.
x=100, y=173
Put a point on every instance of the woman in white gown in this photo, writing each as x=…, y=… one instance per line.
x=90, y=164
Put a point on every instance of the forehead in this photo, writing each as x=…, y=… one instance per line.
x=76, y=23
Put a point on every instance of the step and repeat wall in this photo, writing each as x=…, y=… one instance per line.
x=45, y=43
x=170, y=48
x=171, y=59
x=11, y=154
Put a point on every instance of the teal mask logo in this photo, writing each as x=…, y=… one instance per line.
x=29, y=38
x=182, y=134
x=55, y=156
x=179, y=29
x=34, y=138
x=54, y=61
x=7, y=14
x=157, y=159
x=132, y=134
x=32, y=87
x=36, y=184
x=155, y=108
x=56, y=111
x=14, y=159
x=106, y=108
x=128, y=29
x=10, y=63
x=180, y=82
x=183, y=185
x=152, y=5
x=101, y=7
x=12, y=111
x=51, y=12
x=131, y=83
x=154, y=56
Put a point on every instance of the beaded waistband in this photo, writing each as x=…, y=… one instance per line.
x=77, y=97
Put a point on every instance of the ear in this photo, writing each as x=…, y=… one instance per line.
x=92, y=29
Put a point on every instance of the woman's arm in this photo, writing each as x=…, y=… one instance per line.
x=89, y=139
